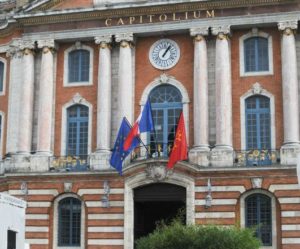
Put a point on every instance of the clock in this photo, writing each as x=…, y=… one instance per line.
x=164, y=54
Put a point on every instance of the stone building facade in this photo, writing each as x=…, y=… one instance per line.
x=71, y=70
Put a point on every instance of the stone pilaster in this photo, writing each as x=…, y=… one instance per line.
x=126, y=81
x=46, y=99
x=291, y=146
x=222, y=154
x=26, y=104
x=100, y=159
x=199, y=154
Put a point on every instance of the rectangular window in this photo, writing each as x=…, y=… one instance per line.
x=11, y=239
x=1, y=76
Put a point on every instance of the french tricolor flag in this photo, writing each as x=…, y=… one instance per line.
x=144, y=123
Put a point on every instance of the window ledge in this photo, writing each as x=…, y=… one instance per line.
x=75, y=84
x=262, y=73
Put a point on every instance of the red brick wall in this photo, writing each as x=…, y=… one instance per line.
x=65, y=94
x=183, y=71
x=241, y=85
x=73, y=4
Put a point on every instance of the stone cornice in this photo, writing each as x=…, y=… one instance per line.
x=98, y=13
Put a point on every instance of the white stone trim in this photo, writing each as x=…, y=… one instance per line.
x=37, y=241
x=99, y=191
x=55, y=222
x=257, y=90
x=273, y=207
x=2, y=127
x=215, y=215
x=4, y=75
x=141, y=179
x=78, y=46
x=77, y=99
x=108, y=242
x=166, y=79
x=255, y=33
x=237, y=188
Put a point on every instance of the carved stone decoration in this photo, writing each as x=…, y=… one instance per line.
x=124, y=37
x=164, y=78
x=50, y=43
x=78, y=45
x=257, y=88
x=199, y=31
x=256, y=182
x=103, y=38
x=68, y=186
x=157, y=172
x=291, y=24
x=77, y=98
x=225, y=30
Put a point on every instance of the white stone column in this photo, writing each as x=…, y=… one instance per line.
x=199, y=154
x=46, y=99
x=126, y=81
x=100, y=159
x=291, y=145
x=26, y=104
x=222, y=154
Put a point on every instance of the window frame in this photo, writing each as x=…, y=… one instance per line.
x=56, y=222
x=273, y=213
x=254, y=33
x=2, y=117
x=78, y=46
x=2, y=92
x=77, y=99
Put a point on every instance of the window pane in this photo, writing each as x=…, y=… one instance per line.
x=69, y=222
x=79, y=65
x=258, y=214
x=1, y=75
x=256, y=54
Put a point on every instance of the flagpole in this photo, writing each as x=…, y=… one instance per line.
x=138, y=137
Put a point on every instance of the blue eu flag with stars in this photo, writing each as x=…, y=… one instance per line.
x=119, y=154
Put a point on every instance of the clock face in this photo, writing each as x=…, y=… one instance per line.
x=164, y=54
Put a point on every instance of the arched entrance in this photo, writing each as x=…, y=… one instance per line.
x=156, y=202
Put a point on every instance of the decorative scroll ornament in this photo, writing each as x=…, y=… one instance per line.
x=256, y=182
x=49, y=43
x=164, y=78
x=68, y=186
x=124, y=37
x=257, y=88
x=291, y=24
x=77, y=99
x=157, y=172
x=199, y=31
x=221, y=32
x=103, y=38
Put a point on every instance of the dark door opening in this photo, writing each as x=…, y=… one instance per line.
x=154, y=203
x=11, y=239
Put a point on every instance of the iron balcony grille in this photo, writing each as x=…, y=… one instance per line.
x=256, y=157
x=69, y=163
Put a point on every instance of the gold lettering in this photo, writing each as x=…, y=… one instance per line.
x=108, y=22
x=131, y=19
x=210, y=13
x=174, y=17
x=141, y=19
x=150, y=17
x=197, y=14
x=186, y=15
x=120, y=22
x=163, y=17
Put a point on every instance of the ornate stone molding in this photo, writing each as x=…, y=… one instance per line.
x=256, y=182
x=256, y=88
x=292, y=24
x=157, y=172
x=128, y=37
x=222, y=32
x=68, y=186
x=49, y=43
x=164, y=78
x=199, y=31
x=19, y=47
x=78, y=99
x=103, y=41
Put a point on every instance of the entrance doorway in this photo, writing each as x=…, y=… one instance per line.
x=156, y=202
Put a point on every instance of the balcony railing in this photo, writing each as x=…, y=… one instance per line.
x=159, y=150
x=256, y=157
x=69, y=163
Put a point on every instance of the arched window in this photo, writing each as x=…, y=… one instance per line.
x=79, y=66
x=258, y=214
x=166, y=103
x=258, y=132
x=256, y=54
x=77, y=131
x=69, y=222
x=1, y=76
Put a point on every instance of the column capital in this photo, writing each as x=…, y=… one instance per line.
x=199, y=31
x=103, y=40
x=288, y=27
x=221, y=31
x=19, y=47
x=46, y=44
x=125, y=39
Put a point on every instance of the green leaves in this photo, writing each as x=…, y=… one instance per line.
x=179, y=236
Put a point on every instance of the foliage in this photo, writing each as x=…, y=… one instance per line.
x=179, y=236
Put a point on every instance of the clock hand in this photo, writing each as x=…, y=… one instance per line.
x=166, y=51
